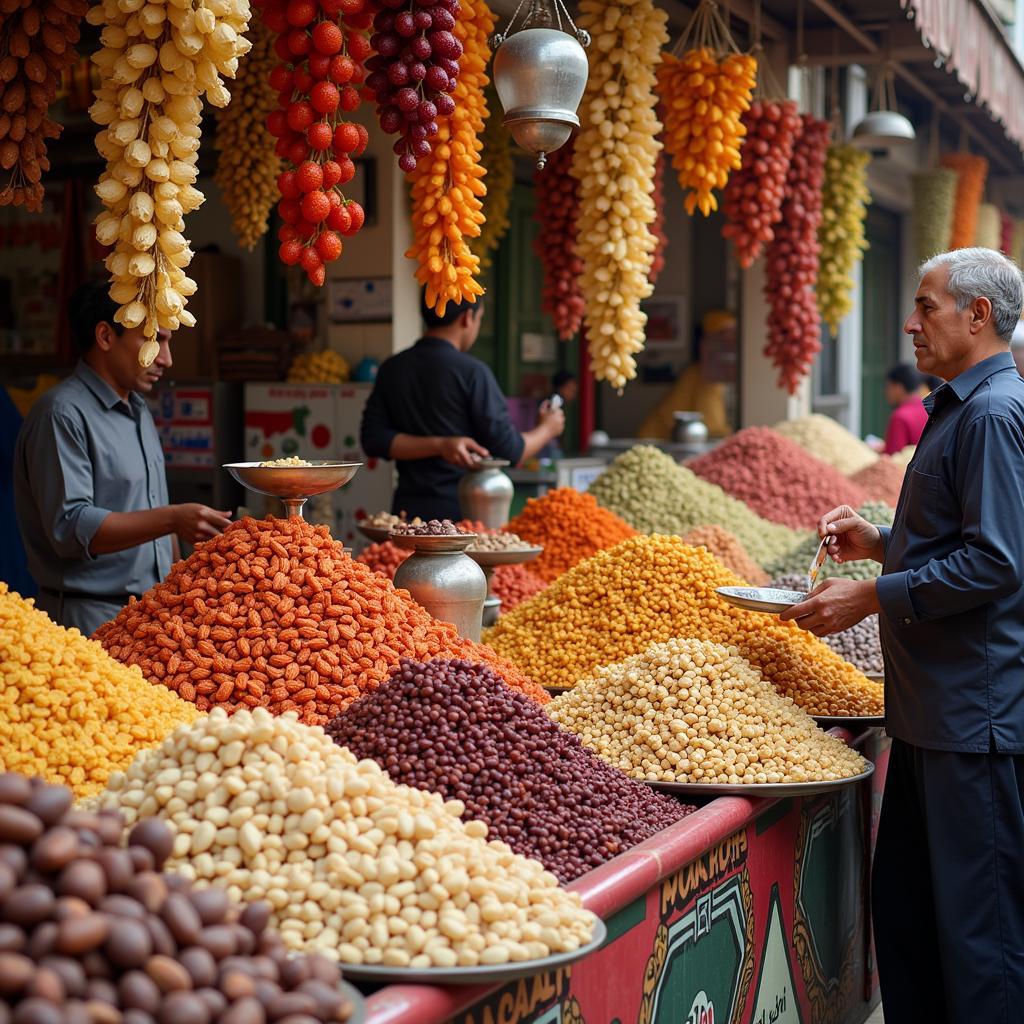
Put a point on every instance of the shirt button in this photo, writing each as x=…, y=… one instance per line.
x=906, y=622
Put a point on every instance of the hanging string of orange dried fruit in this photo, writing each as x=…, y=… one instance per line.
x=971, y=174
x=447, y=186
x=706, y=85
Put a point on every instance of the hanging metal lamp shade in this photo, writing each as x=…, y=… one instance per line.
x=540, y=73
x=885, y=127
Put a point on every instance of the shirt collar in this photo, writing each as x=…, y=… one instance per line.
x=433, y=341
x=105, y=394
x=967, y=382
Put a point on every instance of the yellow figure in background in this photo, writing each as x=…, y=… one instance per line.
x=692, y=392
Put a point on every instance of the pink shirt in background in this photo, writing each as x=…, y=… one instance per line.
x=905, y=425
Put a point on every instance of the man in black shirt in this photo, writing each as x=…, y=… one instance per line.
x=436, y=411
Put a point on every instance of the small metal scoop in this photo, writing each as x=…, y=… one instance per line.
x=817, y=562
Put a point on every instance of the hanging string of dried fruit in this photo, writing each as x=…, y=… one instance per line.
x=1005, y=233
x=1017, y=250
x=753, y=196
x=972, y=171
x=414, y=71
x=845, y=199
x=447, y=186
x=155, y=64
x=934, y=197
x=658, y=227
x=496, y=157
x=794, y=327
x=986, y=233
x=321, y=45
x=37, y=44
x=555, y=244
x=614, y=161
x=706, y=86
x=247, y=165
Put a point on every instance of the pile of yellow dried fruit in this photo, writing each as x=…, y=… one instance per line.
x=696, y=711
x=615, y=161
x=324, y=367
x=447, y=185
x=155, y=64
x=650, y=589
x=70, y=713
x=247, y=166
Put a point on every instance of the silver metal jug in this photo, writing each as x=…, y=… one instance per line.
x=485, y=494
x=446, y=582
x=689, y=428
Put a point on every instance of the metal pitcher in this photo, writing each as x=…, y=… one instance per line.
x=449, y=585
x=485, y=494
x=689, y=428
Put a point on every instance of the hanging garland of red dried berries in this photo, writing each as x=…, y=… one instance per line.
x=322, y=45
x=413, y=73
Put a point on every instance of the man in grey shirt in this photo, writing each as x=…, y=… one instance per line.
x=89, y=480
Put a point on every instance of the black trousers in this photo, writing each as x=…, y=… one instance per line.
x=948, y=888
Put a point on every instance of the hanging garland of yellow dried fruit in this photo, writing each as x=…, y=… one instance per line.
x=845, y=198
x=447, y=186
x=155, y=64
x=706, y=87
x=496, y=156
x=615, y=162
x=36, y=48
x=247, y=166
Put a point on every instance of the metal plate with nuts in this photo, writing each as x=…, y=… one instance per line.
x=761, y=599
x=766, y=790
x=486, y=975
x=851, y=722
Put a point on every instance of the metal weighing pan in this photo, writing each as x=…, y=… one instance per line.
x=436, y=543
x=850, y=722
x=769, y=790
x=358, y=1001
x=377, y=534
x=876, y=677
x=514, y=556
x=293, y=484
x=761, y=599
x=500, y=973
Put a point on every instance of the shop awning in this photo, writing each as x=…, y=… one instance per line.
x=963, y=34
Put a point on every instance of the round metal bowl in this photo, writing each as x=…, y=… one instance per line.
x=444, y=544
x=514, y=556
x=293, y=481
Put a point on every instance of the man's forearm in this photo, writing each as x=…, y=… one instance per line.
x=408, y=446
x=122, y=530
x=534, y=440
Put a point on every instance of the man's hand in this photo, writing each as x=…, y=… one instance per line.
x=552, y=421
x=835, y=605
x=462, y=451
x=850, y=536
x=194, y=523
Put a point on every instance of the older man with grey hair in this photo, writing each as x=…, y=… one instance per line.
x=948, y=889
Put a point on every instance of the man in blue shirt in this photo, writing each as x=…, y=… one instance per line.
x=948, y=888
x=89, y=480
x=436, y=410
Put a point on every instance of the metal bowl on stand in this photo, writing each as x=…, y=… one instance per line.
x=293, y=485
x=489, y=561
x=485, y=493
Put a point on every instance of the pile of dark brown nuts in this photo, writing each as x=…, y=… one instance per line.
x=91, y=932
x=433, y=528
x=454, y=728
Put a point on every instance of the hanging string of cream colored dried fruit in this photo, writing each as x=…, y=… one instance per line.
x=155, y=64
x=706, y=86
x=447, y=185
x=37, y=45
x=247, y=166
x=615, y=160
x=496, y=156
